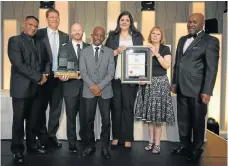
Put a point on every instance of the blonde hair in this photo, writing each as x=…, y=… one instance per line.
x=163, y=41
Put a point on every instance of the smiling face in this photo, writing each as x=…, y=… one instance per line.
x=195, y=23
x=76, y=32
x=30, y=26
x=98, y=36
x=125, y=22
x=53, y=20
x=156, y=36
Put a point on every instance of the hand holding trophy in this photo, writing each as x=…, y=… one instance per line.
x=66, y=69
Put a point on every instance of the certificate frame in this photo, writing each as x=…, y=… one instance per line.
x=145, y=55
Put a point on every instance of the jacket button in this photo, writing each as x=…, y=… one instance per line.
x=94, y=72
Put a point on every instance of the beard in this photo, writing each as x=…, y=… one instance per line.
x=192, y=31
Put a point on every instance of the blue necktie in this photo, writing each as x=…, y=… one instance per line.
x=54, y=52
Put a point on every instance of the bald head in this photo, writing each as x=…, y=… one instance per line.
x=195, y=23
x=76, y=32
x=98, y=35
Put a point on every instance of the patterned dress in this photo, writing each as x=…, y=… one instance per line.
x=153, y=103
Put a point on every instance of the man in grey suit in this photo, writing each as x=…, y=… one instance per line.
x=72, y=87
x=97, y=71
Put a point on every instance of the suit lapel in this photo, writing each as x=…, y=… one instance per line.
x=47, y=44
x=71, y=48
x=91, y=56
x=117, y=41
x=181, y=47
x=100, y=56
x=60, y=39
x=196, y=41
x=83, y=45
x=30, y=45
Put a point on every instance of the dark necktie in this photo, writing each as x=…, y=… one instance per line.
x=78, y=50
x=191, y=35
x=96, y=54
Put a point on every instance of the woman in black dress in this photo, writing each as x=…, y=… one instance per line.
x=154, y=103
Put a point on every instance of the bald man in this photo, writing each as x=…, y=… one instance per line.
x=72, y=87
x=194, y=78
x=97, y=70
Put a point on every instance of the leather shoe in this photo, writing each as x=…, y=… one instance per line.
x=37, y=150
x=55, y=143
x=181, y=150
x=195, y=155
x=88, y=151
x=105, y=153
x=18, y=158
x=73, y=149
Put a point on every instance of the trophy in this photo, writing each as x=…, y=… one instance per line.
x=66, y=67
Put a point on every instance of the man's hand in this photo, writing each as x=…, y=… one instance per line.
x=95, y=89
x=64, y=77
x=43, y=79
x=173, y=88
x=205, y=98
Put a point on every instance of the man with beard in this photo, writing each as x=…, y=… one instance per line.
x=52, y=90
x=97, y=70
x=194, y=78
x=72, y=87
x=29, y=69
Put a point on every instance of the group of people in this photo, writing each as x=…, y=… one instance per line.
x=34, y=55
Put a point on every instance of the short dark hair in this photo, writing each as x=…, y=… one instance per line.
x=32, y=17
x=50, y=11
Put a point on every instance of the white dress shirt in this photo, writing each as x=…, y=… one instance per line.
x=50, y=37
x=126, y=43
x=188, y=42
x=94, y=50
x=76, y=47
x=53, y=37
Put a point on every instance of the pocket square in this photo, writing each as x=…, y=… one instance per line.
x=196, y=48
x=64, y=44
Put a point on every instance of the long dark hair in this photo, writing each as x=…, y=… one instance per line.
x=132, y=28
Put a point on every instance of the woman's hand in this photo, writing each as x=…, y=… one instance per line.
x=154, y=51
x=119, y=50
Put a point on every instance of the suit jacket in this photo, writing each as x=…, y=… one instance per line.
x=71, y=88
x=29, y=62
x=195, y=70
x=113, y=41
x=101, y=73
x=42, y=35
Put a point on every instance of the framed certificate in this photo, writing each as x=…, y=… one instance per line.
x=136, y=65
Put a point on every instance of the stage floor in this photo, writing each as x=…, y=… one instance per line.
x=215, y=154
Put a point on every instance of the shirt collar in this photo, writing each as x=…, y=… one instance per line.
x=96, y=46
x=75, y=44
x=49, y=30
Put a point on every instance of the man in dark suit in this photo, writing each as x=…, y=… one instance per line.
x=97, y=70
x=53, y=39
x=194, y=77
x=72, y=87
x=28, y=72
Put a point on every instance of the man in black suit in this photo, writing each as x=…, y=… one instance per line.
x=53, y=95
x=72, y=87
x=28, y=73
x=194, y=77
